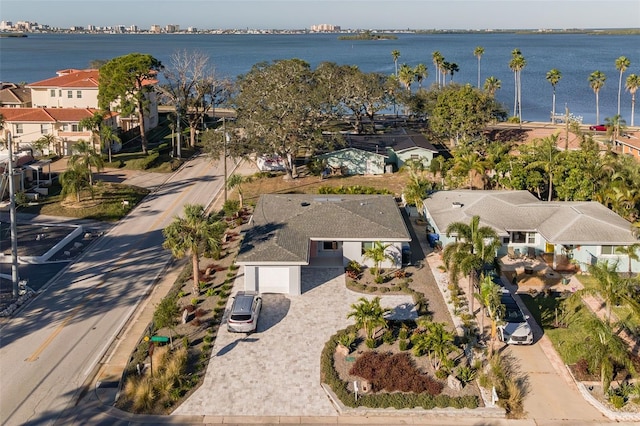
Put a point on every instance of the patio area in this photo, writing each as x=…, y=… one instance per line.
x=536, y=274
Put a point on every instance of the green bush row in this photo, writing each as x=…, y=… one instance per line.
x=354, y=189
x=396, y=400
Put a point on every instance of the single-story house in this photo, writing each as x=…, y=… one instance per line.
x=579, y=232
x=288, y=232
x=380, y=153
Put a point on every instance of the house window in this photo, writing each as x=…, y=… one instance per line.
x=505, y=240
x=330, y=245
x=611, y=250
x=53, y=93
x=366, y=245
x=75, y=128
x=60, y=93
x=523, y=237
x=44, y=129
x=415, y=157
x=79, y=94
x=19, y=129
x=70, y=94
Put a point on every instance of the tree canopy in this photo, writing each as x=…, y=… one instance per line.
x=126, y=82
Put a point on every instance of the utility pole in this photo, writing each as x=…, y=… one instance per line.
x=178, y=107
x=224, y=155
x=12, y=216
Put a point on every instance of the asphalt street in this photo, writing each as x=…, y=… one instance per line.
x=50, y=348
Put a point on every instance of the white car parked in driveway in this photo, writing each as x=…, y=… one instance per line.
x=245, y=310
x=515, y=329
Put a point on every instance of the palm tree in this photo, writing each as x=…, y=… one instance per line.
x=74, y=180
x=596, y=81
x=603, y=349
x=369, y=315
x=406, y=76
x=87, y=156
x=622, y=63
x=489, y=298
x=93, y=124
x=109, y=137
x=45, y=141
x=416, y=190
x=438, y=59
x=236, y=181
x=452, y=68
x=197, y=233
x=437, y=341
x=610, y=285
x=614, y=125
x=632, y=84
x=553, y=77
x=631, y=251
x=378, y=254
x=468, y=164
x=421, y=73
x=475, y=245
x=395, y=54
x=478, y=52
x=547, y=158
x=491, y=85
x=516, y=65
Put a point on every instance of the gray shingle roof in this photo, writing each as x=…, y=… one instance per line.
x=575, y=222
x=283, y=224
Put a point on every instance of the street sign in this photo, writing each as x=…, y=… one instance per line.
x=160, y=339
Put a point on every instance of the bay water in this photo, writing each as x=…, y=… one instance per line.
x=39, y=56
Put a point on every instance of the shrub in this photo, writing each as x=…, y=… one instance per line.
x=466, y=374
x=379, y=279
x=231, y=207
x=401, y=273
x=371, y=343
x=388, y=337
x=194, y=301
x=347, y=340
x=441, y=373
x=403, y=345
x=404, y=332
x=617, y=401
x=210, y=292
x=394, y=373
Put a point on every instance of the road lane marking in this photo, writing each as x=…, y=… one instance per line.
x=36, y=355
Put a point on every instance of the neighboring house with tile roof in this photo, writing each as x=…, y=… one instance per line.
x=629, y=144
x=288, y=232
x=27, y=125
x=583, y=232
x=13, y=96
x=73, y=88
x=380, y=153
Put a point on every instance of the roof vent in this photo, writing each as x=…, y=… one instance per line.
x=456, y=205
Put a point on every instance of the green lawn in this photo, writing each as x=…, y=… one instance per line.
x=564, y=326
x=106, y=204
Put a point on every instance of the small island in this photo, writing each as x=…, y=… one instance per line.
x=368, y=35
x=13, y=35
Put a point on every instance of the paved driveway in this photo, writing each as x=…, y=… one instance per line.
x=276, y=371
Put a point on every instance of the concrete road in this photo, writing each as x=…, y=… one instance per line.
x=50, y=348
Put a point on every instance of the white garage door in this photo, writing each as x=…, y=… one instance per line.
x=273, y=280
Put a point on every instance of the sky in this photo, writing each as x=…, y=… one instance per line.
x=348, y=14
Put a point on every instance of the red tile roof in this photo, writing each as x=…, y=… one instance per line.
x=71, y=78
x=46, y=115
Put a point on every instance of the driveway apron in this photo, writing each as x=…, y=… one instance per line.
x=276, y=371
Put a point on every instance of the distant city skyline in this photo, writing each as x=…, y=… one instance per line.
x=348, y=14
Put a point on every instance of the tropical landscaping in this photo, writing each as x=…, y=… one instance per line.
x=288, y=109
